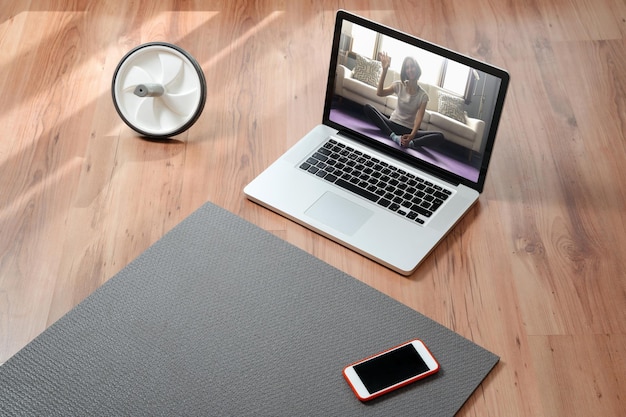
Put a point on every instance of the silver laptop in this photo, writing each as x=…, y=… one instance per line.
x=366, y=177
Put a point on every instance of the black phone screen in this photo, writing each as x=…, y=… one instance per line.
x=391, y=368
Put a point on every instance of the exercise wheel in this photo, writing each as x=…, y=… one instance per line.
x=158, y=89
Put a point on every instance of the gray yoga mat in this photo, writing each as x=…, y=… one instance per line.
x=222, y=318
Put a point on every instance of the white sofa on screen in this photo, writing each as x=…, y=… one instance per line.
x=444, y=112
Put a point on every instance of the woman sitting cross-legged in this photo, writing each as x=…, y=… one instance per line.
x=403, y=124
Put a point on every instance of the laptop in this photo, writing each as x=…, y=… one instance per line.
x=352, y=181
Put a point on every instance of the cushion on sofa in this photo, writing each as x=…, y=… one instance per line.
x=452, y=107
x=367, y=70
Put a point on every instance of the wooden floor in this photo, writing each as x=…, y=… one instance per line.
x=536, y=272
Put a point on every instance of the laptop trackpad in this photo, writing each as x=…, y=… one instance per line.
x=339, y=213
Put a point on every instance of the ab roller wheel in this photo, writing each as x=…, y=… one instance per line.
x=159, y=90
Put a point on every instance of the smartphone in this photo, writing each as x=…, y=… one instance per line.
x=390, y=370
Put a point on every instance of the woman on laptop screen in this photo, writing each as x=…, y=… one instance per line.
x=404, y=123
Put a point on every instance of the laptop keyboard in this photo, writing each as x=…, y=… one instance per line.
x=393, y=188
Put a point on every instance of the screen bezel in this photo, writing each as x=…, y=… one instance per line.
x=491, y=70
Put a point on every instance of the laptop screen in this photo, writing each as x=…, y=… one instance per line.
x=426, y=104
